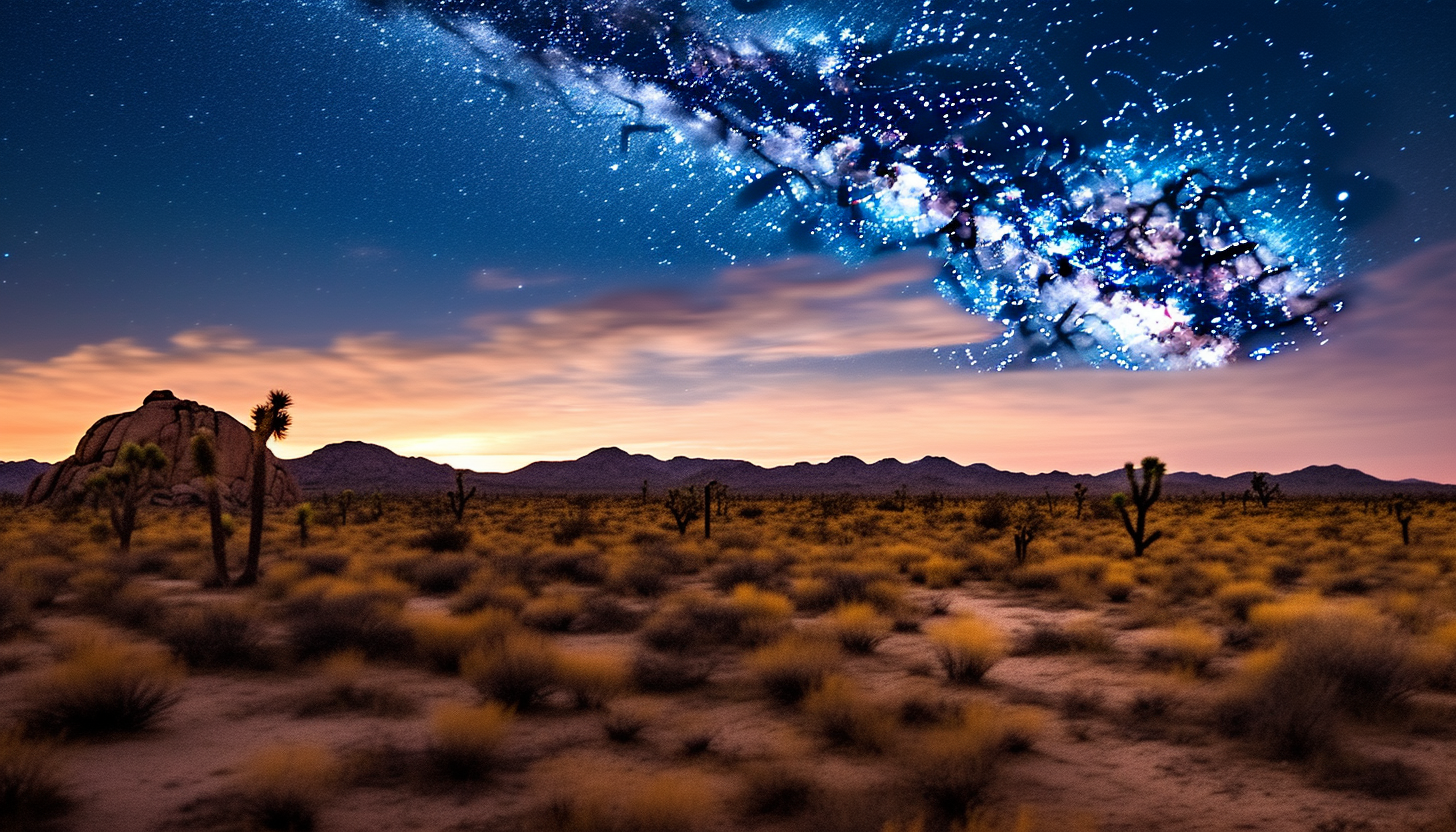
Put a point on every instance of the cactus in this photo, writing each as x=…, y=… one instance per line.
x=1404, y=509
x=1079, y=493
x=1143, y=497
x=458, y=498
x=1025, y=527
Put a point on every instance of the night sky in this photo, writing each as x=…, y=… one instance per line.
x=418, y=219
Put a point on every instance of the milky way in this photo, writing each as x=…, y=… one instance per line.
x=1097, y=192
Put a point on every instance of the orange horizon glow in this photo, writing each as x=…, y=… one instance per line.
x=767, y=365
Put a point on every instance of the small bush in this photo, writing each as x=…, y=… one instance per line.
x=445, y=538
x=103, y=688
x=14, y=610
x=1241, y=596
x=214, y=637
x=444, y=574
x=487, y=589
x=624, y=721
x=343, y=687
x=845, y=716
x=672, y=801
x=1081, y=636
x=553, y=612
x=967, y=647
x=776, y=789
x=953, y=766
x=440, y=639
x=669, y=672
x=789, y=668
x=593, y=679
x=604, y=613
x=32, y=789
x=1187, y=647
x=762, y=615
x=285, y=785
x=693, y=619
x=465, y=741
x=859, y=627
x=322, y=625
x=517, y=671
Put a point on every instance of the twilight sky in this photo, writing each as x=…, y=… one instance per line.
x=424, y=227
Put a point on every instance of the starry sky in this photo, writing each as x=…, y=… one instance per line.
x=418, y=218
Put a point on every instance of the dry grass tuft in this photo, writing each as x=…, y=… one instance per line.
x=953, y=766
x=1187, y=647
x=104, y=687
x=789, y=668
x=516, y=671
x=442, y=639
x=967, y=647
x=859, y=627
x=465, y=741
x=32, y=790
x=285, y=785
x=843, y=715
x=671, y=801
x=592, y=678
x=344, y=686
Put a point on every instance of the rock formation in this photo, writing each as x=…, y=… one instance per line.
x=170, y=422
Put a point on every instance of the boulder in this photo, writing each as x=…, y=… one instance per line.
x=170, y=423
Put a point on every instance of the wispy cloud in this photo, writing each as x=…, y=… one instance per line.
x=796, y=360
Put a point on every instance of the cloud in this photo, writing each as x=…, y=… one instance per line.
x=795, y=360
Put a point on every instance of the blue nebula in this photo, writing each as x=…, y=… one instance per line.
x=1088, y=197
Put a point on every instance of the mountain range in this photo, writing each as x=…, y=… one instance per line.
x=367, y=468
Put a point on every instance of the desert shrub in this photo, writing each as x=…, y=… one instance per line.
x=319, y=625
x=136, y=605
x=465, y=741
x=761, y=571
x=39, y=579
x=938, y=572
x=993, y=515
x=442, y=639
x=625, y=720
x=953, y=766
x=1118, y=581
x=32, y=787
x=642, y=575
x=14, y=609
x=1239, y=597
x=517, y=671
x=104, y=687
x=554, y=611
x=1083, y=635
x=575, y=564
x=215, y=636
x=605, y=613
x=286, y=785
x=324, y=563
x=859, y=627
x=694, y=619
x=669, y=672
x=789, y=668
x=94, y=587
x=1439, y=653
x=1187, y=646
x=773, y=788
x=1287, y=716
x=593, y=679
x=444, y=538
x=487, y=589
x=843, y=715
x=1382, y=778
x=966, y=647
x=762, y=615
x=344, y=686
x=672, y=801
x=444, y=574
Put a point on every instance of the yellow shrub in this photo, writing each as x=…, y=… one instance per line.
x=1241, y=596
x=672, y=801
x=517, y=671
x=967, y=647
x=765, y=615
x=554, y=610
x=792, y=666
x=845, y=716
x=465, y=741
x=859, y=627
x=592, y=678
x=955, y=765
x=286, y=784
x=1119, y=580
x=103, y=687
x=442, y=639
x=32, y=788
x=1187, y=646
x=938, y=572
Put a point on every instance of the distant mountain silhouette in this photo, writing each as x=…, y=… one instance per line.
x=15, y=477
x=367, y=468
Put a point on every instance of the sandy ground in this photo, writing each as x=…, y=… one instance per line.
x=1095, y=765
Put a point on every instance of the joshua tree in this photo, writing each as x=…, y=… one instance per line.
x=708, y=509
x=683, y=505
x=346, y=498
x=270, y=421
x=1404, y=509
x=458, y=498
x=304, y=515
x=122, y=483
x=1262, y=490
x=1143, y=497
x=1079, y=493
x=204, y=457
x=1026, y=526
